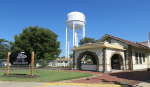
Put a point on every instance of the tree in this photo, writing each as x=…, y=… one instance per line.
x=87, y=40
x=40, y=40
x=4, y=48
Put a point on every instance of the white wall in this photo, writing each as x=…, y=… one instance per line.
x=148, y=60
x=139, y=66
x=115, y=42
x=109, y=54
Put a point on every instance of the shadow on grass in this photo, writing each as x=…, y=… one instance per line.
x=21, y=76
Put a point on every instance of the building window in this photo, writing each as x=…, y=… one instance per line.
x=66, y=61
x=140, y=57
x=143, y=55
x=109, y=40
x=136, y=58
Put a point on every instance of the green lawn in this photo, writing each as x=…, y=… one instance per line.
x=45, y=75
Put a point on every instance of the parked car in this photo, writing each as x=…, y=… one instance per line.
x=2, y=64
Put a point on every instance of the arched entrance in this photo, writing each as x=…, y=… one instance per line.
x=88, y=61
x=117, y=62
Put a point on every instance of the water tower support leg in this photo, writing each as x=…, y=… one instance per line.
x=73, y=34
x=83, y=31
x=66, y=42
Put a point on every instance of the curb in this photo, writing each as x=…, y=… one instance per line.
x=82, y=84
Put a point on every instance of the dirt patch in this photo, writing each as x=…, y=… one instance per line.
x=21, y=75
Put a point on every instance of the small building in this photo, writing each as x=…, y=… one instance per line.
x=112, y=54
x=60, y=62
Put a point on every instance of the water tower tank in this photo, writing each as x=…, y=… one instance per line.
x=75, y=20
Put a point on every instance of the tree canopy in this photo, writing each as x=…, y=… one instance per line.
x=87, y=40
x=42, y=41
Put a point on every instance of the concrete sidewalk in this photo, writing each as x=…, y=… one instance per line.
x=36, y=84
x=19, y=84
x=143, y=84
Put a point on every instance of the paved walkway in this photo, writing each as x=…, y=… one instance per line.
x=36, y=84
x=19, y=84
x=144, y=84
x=139, y=78
x=106, y=78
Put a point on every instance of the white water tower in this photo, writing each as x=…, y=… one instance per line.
x=75, y=23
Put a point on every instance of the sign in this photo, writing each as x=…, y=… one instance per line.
x=20, y=59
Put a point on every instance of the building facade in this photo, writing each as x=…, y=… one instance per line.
x=112, y=54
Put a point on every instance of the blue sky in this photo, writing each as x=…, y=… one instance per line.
x=128, y=19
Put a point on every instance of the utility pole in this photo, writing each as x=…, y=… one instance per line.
x=8, y=63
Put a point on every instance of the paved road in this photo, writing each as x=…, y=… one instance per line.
x=36, y=84
x=144, y=84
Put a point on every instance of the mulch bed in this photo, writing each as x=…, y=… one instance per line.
x=21, y=75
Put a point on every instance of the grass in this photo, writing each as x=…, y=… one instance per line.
x=44, y=75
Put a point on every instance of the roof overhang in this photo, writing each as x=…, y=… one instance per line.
x=99, y=45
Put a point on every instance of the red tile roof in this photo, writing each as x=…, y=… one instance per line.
x=135, y=44
x=145, y=43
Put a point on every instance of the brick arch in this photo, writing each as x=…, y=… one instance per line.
x=94, y=55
